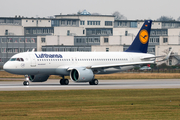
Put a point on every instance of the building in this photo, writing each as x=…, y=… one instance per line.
x=83, y=32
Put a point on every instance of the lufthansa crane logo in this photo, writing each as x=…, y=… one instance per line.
x=143, y=36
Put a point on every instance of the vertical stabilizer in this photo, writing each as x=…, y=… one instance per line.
x=140, y=43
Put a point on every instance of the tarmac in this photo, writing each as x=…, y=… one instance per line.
x=10, y=84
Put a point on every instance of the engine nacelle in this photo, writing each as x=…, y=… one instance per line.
x=81, y=75
x=38, y=78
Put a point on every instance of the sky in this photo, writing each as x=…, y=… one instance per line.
x=132, y=9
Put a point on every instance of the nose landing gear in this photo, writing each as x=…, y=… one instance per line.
x=26, y=82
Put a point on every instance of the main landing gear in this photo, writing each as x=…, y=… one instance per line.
x=94, y=82
x=64, y=81
x=26, y=83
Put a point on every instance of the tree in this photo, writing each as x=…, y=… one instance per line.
x=178, y=19
x=79, y=12
x=165, y=18
x=119, y=16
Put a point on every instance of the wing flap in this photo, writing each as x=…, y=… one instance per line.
x=121, y=64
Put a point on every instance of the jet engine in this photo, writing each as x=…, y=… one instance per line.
x=38, y=78
x=81, y=75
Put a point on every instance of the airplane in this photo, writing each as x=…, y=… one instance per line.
x=82, y=66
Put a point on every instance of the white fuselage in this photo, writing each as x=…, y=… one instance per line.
x=58, y=63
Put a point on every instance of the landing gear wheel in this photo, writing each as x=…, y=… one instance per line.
x=64, y=81
x=90, y=83
x=94, y=82
x=25, y=83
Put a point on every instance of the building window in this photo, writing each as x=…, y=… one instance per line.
x=63, y=22
x=16, y=40
x=108, y=23
x=165, y=40
x=134, y=24
x=16, y=50
x=43, y=40
x=122, y=24
x=73, y=22
x=21, y=49
x=68, y=22
x=6, y=32
x=55, y=22
x=154, y=40
x=21, y=40
x=10, y=50
x=93, y=22
x=83, y=31
x=126, y=33
x=107, y=49
x=157, y=40
x=68, y=32
x=82, y=22
x=3, y=40
x=10, y=40
x=106, y=40
x=33, y=40
x=96, y=40
x=3, y=50
x=97, y=22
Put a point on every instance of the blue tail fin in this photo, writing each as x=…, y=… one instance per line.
x=140, y=43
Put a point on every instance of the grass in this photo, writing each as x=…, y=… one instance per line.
x=4, y=74
x=91, y=104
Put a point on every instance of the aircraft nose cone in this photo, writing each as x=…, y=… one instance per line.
x=5, y=66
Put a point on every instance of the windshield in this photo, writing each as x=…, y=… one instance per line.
x=16, y=59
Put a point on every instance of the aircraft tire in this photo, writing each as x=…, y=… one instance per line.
x=26, y=83
x=90, y=83
x=64, y=81
x=94, y=82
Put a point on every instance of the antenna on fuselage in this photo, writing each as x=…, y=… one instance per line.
x=33, y=50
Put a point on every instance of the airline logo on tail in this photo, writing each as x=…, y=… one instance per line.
x=143, y=36
x=140, y=43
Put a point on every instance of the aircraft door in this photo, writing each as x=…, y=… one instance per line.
x=33, y=61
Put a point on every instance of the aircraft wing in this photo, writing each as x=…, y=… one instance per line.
x=120, y=64
x=112, y=65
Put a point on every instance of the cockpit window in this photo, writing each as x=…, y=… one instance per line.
x=16, y=59
x=22, y=59
x=13, y=59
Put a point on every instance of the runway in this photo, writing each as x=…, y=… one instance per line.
x=53, y=84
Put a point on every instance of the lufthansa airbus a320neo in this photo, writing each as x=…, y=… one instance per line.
x=81, y=66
